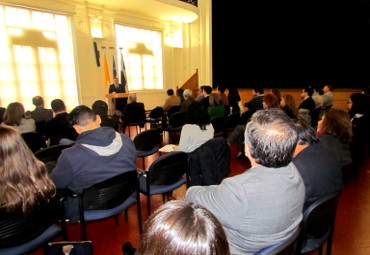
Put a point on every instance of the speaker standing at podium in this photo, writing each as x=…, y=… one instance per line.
x=116, y=87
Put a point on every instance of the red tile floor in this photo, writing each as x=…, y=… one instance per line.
x=351, y=235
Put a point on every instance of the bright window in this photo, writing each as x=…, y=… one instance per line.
x=142, y=55
x=36, y=57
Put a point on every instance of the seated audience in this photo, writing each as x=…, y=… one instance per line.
x=359, y=112
x=98, y=154
x=234, y=99
x=101, y=108
x=40, y=114
x=197, y=129
x=207, y=91
x=58, y=129
x=179, y=93
x=289, y=107
x=253, y=105
x=308, y=103
x=172, y=100
x=276, y=92
x=216, y=108
x=224, y=98
x=319, y=167
x=25, y=187
x=15, y=116
x=270, y=101
x=134, y=112
x=262, y=206
x=200, y=95
x=335, y=132
x=188, y=99
x=180, y=228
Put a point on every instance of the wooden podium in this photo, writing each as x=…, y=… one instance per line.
x=111, y=97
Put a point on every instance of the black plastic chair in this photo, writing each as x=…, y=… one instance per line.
x=20, y=234
x=282, y=248
x=175, y=123
x=34, y=140
x=173, y=109
x=137, y=119
x=108, y=198
x=219, y=125
x=232, y=120
x=147, y=143
x=155, y=116
x=318, y=225
x=165, y=174
x=51, y=153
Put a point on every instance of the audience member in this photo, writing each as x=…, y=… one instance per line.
x=15, y=116
x=234, y=99
x=40, y=114
x=335, y=131
x=206, y=92
x=200, y=95
x=58, y=129
x=188, y=99
x=308, y=103
x=276, y=92
x=327, y=99
x=224, y=98
x=319, y=167
x=289, y=107
x=197, y=129
x=134, y=112
x=359, y=107
x=2, y=112
x=317, y=96
x=25, y=188
x=101, y=108
x=179, y=93
x=262, y=206
x=181, y=228
x=215, y=109
x=172, y=100
x=270, y=101
x=98, y=154
x=253, y=105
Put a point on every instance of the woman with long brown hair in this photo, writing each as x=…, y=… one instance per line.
x=289, y=106
x=15, y=116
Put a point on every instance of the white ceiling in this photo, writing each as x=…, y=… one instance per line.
x=160, y=9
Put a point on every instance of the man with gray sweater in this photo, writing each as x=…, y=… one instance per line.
x=262, y=206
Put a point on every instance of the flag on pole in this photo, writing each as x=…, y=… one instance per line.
x=114, y=69
x=106, y=74
x=123, y=75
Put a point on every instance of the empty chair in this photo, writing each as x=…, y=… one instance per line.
x=51, y=153
x=165, y=174
x=146, y=143
x=173, y=109
x=318, y=225
x=155, y=116
x=108, y=198
x=282, y=248
x=34, y=140
x=20, y=234
x=219, y=125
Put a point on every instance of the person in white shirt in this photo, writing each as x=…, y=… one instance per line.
x=197, y=129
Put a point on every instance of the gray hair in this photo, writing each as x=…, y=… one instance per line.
x=187, y=93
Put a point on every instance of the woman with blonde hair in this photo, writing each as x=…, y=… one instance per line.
x=15, y=116
x=215, y=108
x=179, y=228
x=26, y=191
x=335, y=131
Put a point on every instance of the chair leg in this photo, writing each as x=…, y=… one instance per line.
x=143, y=163
x=148, y=204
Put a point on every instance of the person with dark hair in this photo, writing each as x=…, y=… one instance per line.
x=15, y=116
x=308, y=103
x=40, y=114
x=98, y=154
x=117, y=87
x=179, y=93
x=270, y=101
x=319, y=167
x=58, y=129
x=276, y=92
x=359, y=112
x=327, y=99
x=253, y=105
x=197, y=129
x=172, y=100
x=207, y=91
x=101, y=108
x=134, y=112
x=2, y=112
x=234, y=99
x=224, y=99
x=335, y=131
x=200, y=95
x=181, y=228
x=215, y=108
x=262, y=206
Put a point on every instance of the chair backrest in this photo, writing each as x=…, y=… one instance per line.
x=147, y=140
x=318, y=219
x=219, y=125
x=34, y=140
x=173, y=110
x=282, y=248
x=232, y=120
x=111, y=192
x=156, y=113
x=51, y=153
x=168, y=169
x=16, y=229
x=177, y=120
